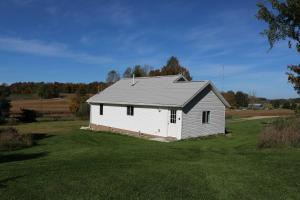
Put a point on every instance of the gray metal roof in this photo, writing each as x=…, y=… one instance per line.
x=152, y=91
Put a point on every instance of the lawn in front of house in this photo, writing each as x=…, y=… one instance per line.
x=69, y=163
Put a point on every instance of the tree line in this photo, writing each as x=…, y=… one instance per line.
x=52, y=90
x=240, y=99
x=172, y=67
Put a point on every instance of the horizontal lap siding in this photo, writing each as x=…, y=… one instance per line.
x=192, y=116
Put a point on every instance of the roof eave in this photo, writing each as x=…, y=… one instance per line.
x=219, y=95
x=135, y=104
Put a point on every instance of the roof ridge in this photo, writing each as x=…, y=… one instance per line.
x=144, y=77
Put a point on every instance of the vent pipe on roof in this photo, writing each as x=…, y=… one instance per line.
x=133, y=82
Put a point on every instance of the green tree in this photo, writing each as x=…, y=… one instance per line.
x=4, y=103
x=294, y=106
x=286, y=105
x=275, y=103
x=241, y=99
x=283, y=18
x=138, y=71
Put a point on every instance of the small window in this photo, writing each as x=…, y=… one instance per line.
x=130, y=110
x=101, y=109
x=173, y=117
x=205, y=117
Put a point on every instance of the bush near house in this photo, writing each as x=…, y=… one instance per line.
x=281, y=132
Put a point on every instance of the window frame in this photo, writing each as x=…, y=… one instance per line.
x=130, y=110
x=173, y=116
x=101, y=109
x=205, y=117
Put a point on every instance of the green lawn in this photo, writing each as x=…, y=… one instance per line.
x=76, y=164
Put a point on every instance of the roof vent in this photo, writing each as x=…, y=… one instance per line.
x=133, y=81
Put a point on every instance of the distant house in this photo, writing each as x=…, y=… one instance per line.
x=166, y=106
x=256, y=106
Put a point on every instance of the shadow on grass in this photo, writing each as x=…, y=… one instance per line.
x=3, y=182
x=20, y=157
x=40, y=136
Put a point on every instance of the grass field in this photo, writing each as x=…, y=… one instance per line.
x=77, y=164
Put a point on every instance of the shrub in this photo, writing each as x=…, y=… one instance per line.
x=281, y=132
x=297, y=111
x=11, y=139
x=28, y=115
x=4, y=103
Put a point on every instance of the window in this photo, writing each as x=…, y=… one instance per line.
x=130, y=110
x=205, y=117
x=173, y=117
x=101, y=109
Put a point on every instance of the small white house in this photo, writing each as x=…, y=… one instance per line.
x=166, y=106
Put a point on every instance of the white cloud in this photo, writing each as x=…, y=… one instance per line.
x=37, y=47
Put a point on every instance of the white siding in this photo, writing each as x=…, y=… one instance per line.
x=147, y=120
x=192, y=115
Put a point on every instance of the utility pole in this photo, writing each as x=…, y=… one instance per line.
x=223, y=78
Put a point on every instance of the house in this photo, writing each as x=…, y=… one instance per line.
x=166, y=106
x=256, y=106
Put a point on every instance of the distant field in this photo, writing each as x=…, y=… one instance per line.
x=60, y=106
x=57, y=107
x=252, y=113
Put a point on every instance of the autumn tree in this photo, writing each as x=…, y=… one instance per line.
x=78, y=105
x=283, y=19
x=230, y=98
x=112, y=76
x=155, y=72
x=173, y=67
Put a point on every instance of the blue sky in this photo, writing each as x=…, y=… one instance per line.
x=80, y=41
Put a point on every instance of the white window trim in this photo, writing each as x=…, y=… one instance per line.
x=173, y=116
x=205, y=117
x=131, y=110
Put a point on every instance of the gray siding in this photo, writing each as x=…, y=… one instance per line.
x=192, y=125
